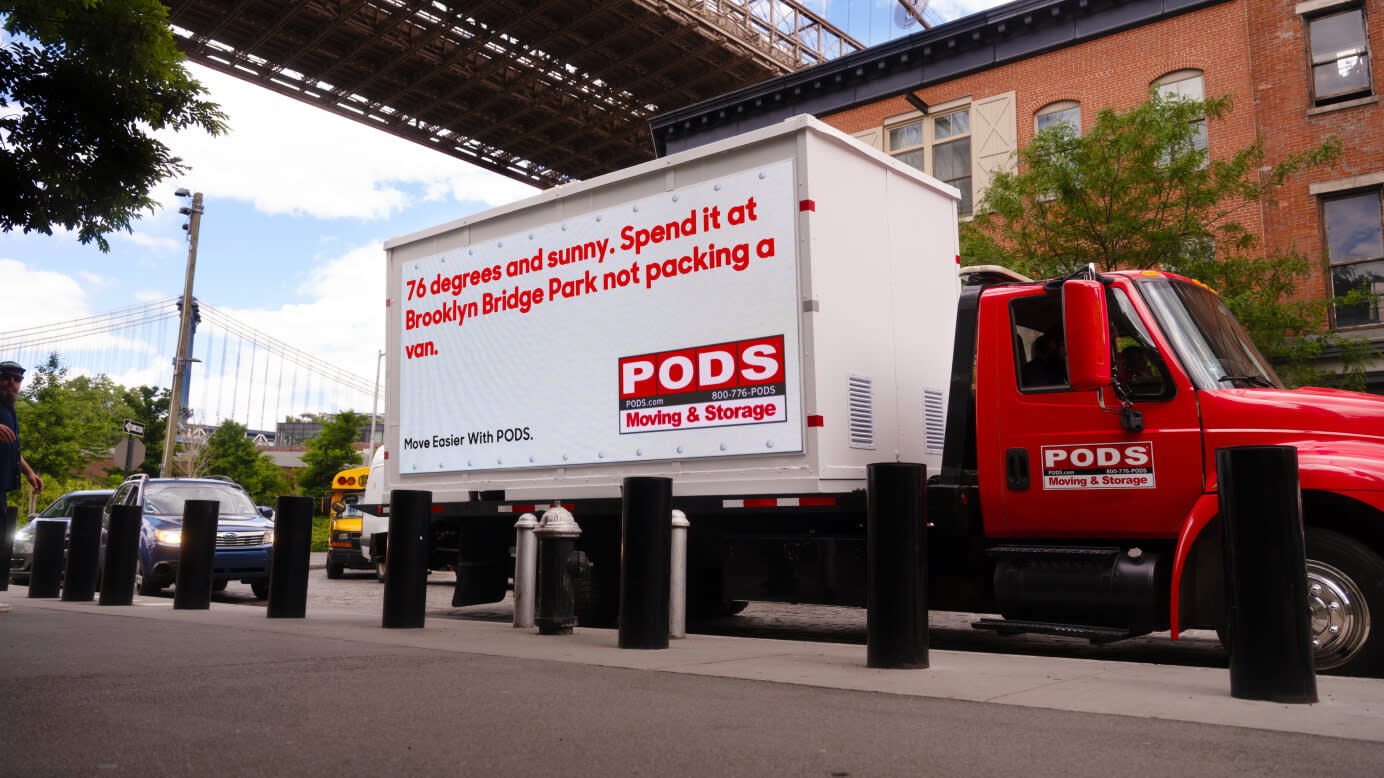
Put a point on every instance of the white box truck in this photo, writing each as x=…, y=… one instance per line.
x=762, y=318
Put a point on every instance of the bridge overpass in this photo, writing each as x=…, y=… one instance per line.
x=542, y=91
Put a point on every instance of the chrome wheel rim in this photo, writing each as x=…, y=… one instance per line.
x=1340, y=617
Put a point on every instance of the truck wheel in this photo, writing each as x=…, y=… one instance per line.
x=380, y=569
x=1345, y=588
x=335, y=569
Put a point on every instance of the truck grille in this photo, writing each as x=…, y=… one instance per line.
x=237, y=539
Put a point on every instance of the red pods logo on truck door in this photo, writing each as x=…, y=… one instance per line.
x=717, y=385
x=1099, y=466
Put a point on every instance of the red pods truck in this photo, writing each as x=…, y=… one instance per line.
x=761, y=318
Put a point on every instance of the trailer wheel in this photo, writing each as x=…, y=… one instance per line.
x=1345, y=589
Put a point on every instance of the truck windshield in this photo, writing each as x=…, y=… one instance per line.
x=1213, y=347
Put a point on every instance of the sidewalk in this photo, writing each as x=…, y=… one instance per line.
x=1349, y=708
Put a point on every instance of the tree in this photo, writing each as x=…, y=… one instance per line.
x=84, y=83
x=331, y=452
x=192, y=457
x=1138, y=191
x=68, y=423
x=232, y=454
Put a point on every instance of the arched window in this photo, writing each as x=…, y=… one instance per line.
x=1066, y=112
x=1188, y=85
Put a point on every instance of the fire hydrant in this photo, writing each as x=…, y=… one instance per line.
x=558, y=564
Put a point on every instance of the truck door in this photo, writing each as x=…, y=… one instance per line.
x=1068, y=467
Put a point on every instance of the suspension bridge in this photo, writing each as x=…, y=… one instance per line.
x=239, y=374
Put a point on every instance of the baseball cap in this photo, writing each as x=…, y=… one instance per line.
x=11, y=367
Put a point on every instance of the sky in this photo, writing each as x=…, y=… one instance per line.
x=297, y=206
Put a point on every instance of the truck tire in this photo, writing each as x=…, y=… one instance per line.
x=335, y=569
x=1345, y=590
x=381, y=569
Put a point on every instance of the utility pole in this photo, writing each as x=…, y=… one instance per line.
x=369, y=460
x=175, y=398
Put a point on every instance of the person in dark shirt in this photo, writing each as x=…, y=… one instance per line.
x=11, y=460
x=1049, y=364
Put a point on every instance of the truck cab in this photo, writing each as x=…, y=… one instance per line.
x=1114, y=450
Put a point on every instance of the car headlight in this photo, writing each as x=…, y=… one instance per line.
x=25, y=532
x=169, y=537
x=269, y=538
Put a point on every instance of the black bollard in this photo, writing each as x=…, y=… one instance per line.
x=122, y=553
x=646, y=526
x=192, y=586
x=11, y=517
x=406, y=585
x=83, y=553
x=45, y=578
x=896, y=553
x=1268, y=626
x=288, y=568
x=555, y=607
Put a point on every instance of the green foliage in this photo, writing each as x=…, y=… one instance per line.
x=83, y=85
x=67, y=423
x=321, y=531
x=231, y=454
x=1136, y=192
x=331, y=452
x=56, y=486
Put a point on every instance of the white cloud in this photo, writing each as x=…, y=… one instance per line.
x=31, y=298
x=145, y=240
x=287, y=157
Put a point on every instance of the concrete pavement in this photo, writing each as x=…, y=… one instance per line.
x=344, y=673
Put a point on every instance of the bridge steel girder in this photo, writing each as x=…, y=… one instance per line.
x=541, y=91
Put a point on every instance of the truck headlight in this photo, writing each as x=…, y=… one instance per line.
x=269, y=538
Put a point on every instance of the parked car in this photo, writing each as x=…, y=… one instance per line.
x=22, y=559
x=244, y=534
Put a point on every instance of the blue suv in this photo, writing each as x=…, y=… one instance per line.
x=244, y=534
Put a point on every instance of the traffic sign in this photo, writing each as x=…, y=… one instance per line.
x=128, y=453
x=133, y=428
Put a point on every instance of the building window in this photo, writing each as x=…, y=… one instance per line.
x=1354, y=227
x=939, y=145
x=1188, y=85
x=1339, y=58
x=1067, y=112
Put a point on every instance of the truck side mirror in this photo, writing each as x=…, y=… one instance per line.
x=1087, y=329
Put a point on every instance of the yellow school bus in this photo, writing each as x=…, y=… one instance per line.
x=343, y=544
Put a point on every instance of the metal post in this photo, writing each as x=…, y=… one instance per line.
x=83, y=553
x=176, y=399
x=646, y=552
x=192, y=587
x=525, y=569
x=45, y=577
x=122, y=552
x=406, y=586
x=1268, y=628
x=677, y=581
x=896, y=552
x=7, y=544
x=374, y=411
x=556, y=606
x=288, y=567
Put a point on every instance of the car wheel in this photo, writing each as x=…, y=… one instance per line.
x=335, y=569
x=1345, y=589
x=260, y=589
x=143, y=585
x=219, y=585
x=21, y=580
x=380, y=570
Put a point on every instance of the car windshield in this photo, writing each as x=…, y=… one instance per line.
x=168, y=498
x=57, y=509
x=1213, y=347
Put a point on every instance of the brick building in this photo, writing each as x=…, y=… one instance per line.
x=957, y=100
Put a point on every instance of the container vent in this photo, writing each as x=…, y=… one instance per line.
x=934, y=420
x=861, y=401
